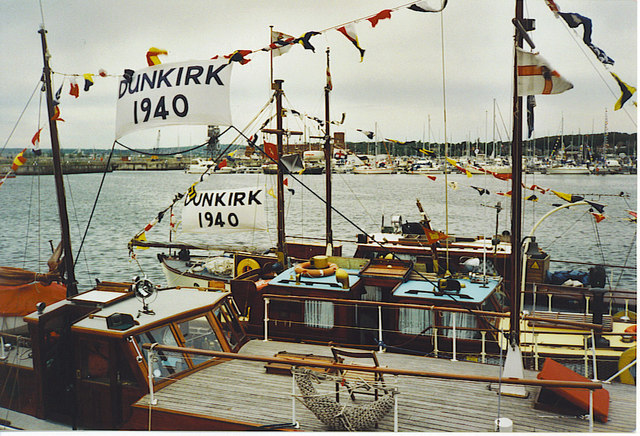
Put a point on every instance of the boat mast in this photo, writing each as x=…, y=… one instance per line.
x=70, y=279
x=282, y=246
x=516, y=192
x=327, y=159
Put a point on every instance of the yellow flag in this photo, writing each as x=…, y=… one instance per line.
x=142, y=237
x=270, y=192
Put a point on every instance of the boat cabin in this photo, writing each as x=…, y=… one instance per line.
x=395, y=296
x=87, y=367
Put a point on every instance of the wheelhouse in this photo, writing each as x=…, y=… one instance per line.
x=87, y=364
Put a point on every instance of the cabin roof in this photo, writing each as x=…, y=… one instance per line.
x=288, y=278
x=427, y=290
x=169, y=304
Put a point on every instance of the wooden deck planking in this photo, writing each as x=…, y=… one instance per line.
x=243, y=391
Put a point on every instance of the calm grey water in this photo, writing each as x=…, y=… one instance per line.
x=129, y=200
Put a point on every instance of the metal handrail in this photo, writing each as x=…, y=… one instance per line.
x=383, y=370
x=584, y=325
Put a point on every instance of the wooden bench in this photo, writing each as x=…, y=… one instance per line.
x=607, y=322
x=285, y=369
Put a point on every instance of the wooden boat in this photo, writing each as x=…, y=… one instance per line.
x=168, y=360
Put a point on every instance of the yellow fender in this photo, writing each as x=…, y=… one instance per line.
x=247, y=265
x=626, y=358
x=632, y=315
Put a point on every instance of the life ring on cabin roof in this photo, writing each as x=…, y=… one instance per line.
x=628, y=376
x=305, y=269
x=247, y=264
x=631, y=334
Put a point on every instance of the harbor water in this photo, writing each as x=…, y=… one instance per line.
x=129, y=200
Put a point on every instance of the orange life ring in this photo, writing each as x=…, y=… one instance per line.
x=305, y=269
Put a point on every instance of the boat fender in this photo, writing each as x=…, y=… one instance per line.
x=307, y=270
x=631, y=336
x=247, y=264
x=342, y=277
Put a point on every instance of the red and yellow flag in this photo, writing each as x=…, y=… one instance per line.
x=56, y=114
x=19, y=160
x=434, y=236
x=152, y=56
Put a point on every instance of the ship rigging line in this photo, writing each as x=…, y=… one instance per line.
x=15, y=126
x=95, y=203
x=322, y=199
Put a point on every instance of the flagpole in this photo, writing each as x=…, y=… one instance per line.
x=270, y=57
x=327, y=158
x=282, y=246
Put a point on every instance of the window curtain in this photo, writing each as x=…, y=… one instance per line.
x=318, y=314
x=462, y=320
x=414, y=321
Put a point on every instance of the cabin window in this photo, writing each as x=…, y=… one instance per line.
x=198, y=333
x=414, y=321
x=234, y=313
x=229, y=324
x=463, y=320
x=94, y=360
x=404, y=256
x=166, y=363
x=318, y=314
x=372, y=293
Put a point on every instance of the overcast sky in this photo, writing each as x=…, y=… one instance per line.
x=397, y=88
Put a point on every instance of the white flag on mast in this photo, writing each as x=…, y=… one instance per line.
x=535, y=76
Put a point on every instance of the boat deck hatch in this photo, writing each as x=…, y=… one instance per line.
x=99, y=298
x=470, y=292
x=288, y=278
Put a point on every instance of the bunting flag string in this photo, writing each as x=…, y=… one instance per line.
x=458, y=167
x=35, y=141
x=481, y=191
x=366, y=133
x=568, y=197
x=349, y=31
x=627, y=92
x=574, y=20
x=88, y=81
x=532, y=197
x=152, y=56
x=74, y=89
x=18, y=161
x=382, y=15
x=283, y=42
x=56, y=114
x=280, y=43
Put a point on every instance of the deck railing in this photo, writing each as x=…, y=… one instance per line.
x=591, y=386
x=439, y=331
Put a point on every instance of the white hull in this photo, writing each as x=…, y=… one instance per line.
x=568, y=170
x=199, y=167
x=371, y=170
x=175, y=278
